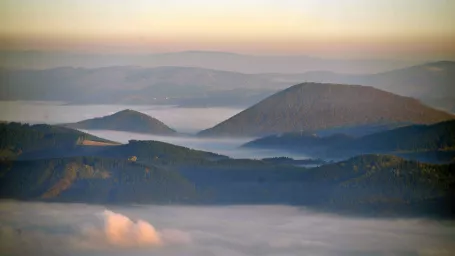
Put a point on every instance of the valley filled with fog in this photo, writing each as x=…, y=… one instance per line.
x=187, y=121
x=78, y=229
x=227, y=128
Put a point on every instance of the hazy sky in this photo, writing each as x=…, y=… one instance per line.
x=412, y=28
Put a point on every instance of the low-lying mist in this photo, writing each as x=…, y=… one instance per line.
x=78, y=229
x=224, y=146
x=187, y=120
x=184, y=120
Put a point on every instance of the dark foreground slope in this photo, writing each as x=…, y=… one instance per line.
x=314, y=107
x=20, y=140
x=125, y=120
x=92, y=180
x=32, y=142
x=161, y=173
x=373, y=184
x=366, y=185
x=412, y=141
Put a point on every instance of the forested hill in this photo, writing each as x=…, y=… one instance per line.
x=297, y=141
x=365, y=185
x=162, y=173
x=92, y=180
x=387, y=184
x=311, y=107
x=125, y=120
x=440, y=136
x=408, y=139
x=17, y=138
x=157, y=152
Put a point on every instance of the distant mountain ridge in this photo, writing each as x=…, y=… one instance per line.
x=203, y=59
x=432, y=83
x=126, y=120
x=136, y=85
x=313, y=106
x=432, y=78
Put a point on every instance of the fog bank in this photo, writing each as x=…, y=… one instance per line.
x=187, y=120
x=78, y=229
x=224, y=146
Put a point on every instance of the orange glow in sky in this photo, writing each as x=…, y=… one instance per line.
x=376, y=28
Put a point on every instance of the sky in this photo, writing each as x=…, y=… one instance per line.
x=378, y=28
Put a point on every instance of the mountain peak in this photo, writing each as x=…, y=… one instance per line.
x=320, y=106
x=129, y=111
x=125, y=120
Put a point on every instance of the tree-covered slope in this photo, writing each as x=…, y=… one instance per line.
x=306, y=142
x=406, y=141
x=375, y=184
x=440, y=136
x=125, y=120
x=92, y=180
x=17, y=139
x=156, y=172
x=30, y=142
x=157, y=152
x=314, y=106
x=370, y=184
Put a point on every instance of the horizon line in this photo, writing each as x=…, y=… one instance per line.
x=297, y=55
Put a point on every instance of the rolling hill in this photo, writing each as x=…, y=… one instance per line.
x=432, y=82
x=202, y=59
x=197, y=86
x=20, y=140
x=433, y=79
x=92, y=180
x=41, y=141
x=311, y=107
x=160, y=173
x=440, y=136
x=365, y=185
x=415, y=141
x=136, y=85
x=125, y=120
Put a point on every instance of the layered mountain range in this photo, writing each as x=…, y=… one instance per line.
x=156, y=172
x=375, y=137
x=431, y=83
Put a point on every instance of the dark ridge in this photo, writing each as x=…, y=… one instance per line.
x=433, y=143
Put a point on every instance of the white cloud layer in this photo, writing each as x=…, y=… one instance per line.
x=77, y=229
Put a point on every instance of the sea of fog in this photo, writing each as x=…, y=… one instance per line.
x=185, y=120
x=225, y=146
x=78, y=229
